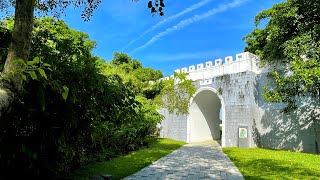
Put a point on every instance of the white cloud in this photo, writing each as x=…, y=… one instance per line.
x=184, y=23
x=185, y=11
x=206, y=55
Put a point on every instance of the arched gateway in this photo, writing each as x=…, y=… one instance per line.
x=203, y=122
x=231, y=90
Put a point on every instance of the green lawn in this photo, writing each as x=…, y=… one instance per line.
x=126, y=165
x=259, y=163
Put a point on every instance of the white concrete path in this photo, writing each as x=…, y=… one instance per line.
x=193, y=161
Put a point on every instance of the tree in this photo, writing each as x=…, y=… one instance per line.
x=176, y=94
x=44, y=133
x=120, y=58
x=148, y=74
x=291, y=41
x=22, y=33
x=173, y=94
x=132, y=71
x=136, y=64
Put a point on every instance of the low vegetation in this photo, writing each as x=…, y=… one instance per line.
x=126, y=165
x=75, y=108
x=257, y=163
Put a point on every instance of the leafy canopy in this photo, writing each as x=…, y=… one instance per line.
x=69, y=111
x=177, y=93
x=56, y=7
x=173, y=94
x=290, y=39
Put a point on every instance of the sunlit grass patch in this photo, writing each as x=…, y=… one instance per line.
x=126, y=165
x=257, y=163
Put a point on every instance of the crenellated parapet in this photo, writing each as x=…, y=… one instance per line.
x=242, y=62
x=218, y=62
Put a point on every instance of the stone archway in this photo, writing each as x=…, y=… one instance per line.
x=203, y=119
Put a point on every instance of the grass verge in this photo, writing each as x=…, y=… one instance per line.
x=126, y=165
x=257, y=163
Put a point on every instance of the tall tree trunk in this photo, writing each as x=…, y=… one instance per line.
x=19, y=48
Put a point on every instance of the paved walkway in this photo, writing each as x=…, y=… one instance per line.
x=193, y=161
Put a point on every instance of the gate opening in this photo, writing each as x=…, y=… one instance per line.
x=206, y=114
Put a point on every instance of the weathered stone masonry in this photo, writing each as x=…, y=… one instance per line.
x=236, y=86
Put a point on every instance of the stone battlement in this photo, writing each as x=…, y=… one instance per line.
x=243, y=62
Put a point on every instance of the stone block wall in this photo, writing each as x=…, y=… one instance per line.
x=241, y=88
x=173, y=126
x=236, y=91
x=239, y=104
x=293, y=131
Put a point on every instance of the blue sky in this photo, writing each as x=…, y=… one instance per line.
x=191, y=32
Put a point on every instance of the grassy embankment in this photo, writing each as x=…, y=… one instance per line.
x=126, y=165
x=257, y=163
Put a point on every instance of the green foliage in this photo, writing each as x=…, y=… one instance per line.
x=137, y=160
x=64, y=130
x=31, y=68
x=70, y=112
x=176, y=94
x=65, y=92
x=5, y=39
x=220, y=91
x=156, y=6
x=120, y=58
x=131, y=71
x=153, y=90
x=76, y=108
x=147, y=74
x=257, y=163
x=57, y=8
x=291, y=40
x=173, y=94
x=136, y=64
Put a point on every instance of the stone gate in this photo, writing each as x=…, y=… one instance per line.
x=231, y=91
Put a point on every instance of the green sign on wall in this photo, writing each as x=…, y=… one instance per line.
x=243, y=133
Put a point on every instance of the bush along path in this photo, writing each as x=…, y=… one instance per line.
x=73, y=110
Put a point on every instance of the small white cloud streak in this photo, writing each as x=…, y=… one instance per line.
x=189, y=21
x=187, y=10
x=185, y=56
